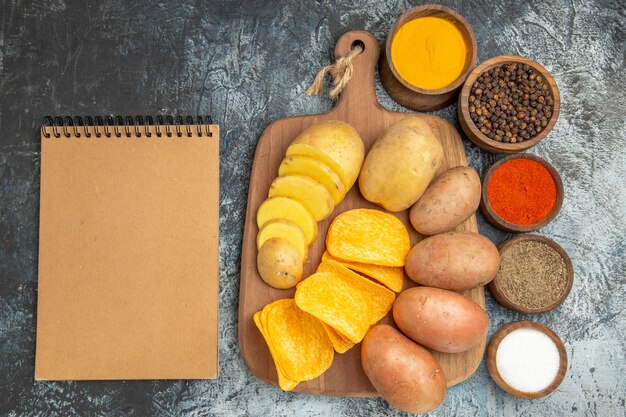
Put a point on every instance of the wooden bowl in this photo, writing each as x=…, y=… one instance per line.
x=482, y=140
x=496, y=290
x=492, y=349
x=407, y=94
x=499, y=222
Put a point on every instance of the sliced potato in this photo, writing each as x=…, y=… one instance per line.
x=279, y=263
x=310, y=167
x=288, y=209
x=283, y=229
x=302, y=149
x=308, y=192
x=339, y=146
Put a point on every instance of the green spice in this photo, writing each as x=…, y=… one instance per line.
x=532, y=274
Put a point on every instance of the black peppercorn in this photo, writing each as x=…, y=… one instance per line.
x=510, y=103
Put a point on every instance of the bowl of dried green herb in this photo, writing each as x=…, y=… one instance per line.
x=508, y=104
x=536, y=275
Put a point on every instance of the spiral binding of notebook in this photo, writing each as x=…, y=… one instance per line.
x=129, y=221
x=129, y=126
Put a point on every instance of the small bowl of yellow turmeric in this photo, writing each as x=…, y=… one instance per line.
x=428, y=54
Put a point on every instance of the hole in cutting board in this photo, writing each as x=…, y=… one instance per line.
x=358, y=43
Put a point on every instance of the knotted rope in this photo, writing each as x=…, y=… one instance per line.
x=341, y=71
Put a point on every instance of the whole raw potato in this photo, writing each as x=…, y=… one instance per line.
x=447, y=202
x=401, y=164
x=404, y=373
x=453, y=261
x=442, y=320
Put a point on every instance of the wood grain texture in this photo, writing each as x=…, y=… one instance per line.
x=482, y=140
x=359, y=107
x=492, y=350
x=499, y=222
x=414, y=97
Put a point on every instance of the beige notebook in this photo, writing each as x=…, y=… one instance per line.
x=128, y=249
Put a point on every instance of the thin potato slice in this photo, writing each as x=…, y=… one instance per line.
x=308, y=192
x=380, y=299
x=338, y=145
x=390, y=276
x=368, y=236
x=340, y=344
x=283, y=229
x=310, y=167
x=312, y=152
x=301, y=345
x=337, y=301
x=287, y=209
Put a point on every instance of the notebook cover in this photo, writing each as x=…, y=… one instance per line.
x=128, y=258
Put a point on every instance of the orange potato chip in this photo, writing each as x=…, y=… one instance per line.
x=299, y=345
x=390, y=276
x=380, y=299
x=336, y=300
x=340, y=344
x=283, y=382
x=368, y=236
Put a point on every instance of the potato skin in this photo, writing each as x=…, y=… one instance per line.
x=447, y=202
x=279, y=263
x=340, y=143
x=404, y=373
x=453, y=261
x=400, y=164
x=442, y=320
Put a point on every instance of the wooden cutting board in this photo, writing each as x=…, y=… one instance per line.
x=359, y=107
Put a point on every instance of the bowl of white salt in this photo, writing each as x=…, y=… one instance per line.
x=526, y=359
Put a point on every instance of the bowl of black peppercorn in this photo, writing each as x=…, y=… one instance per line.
x=508, y=104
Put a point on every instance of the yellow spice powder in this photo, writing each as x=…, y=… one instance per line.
x=429, y=52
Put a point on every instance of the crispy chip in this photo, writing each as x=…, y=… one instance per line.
x=368, y=236
x=283, y=382
x=299, y=345
x=390, y=276
x=336, y=300
x=380, y=299
x=340, y=343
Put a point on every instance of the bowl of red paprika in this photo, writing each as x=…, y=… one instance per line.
x=521, y=193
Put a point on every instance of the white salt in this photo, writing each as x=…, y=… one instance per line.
x=527, y=360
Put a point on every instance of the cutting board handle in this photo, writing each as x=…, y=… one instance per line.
x=360, y=89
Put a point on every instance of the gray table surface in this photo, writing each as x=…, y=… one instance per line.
x=248, y=64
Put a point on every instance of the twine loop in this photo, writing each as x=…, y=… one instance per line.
x=341, y=71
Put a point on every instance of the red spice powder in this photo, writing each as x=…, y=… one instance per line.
x=522, y=191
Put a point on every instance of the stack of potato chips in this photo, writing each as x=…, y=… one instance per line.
x=333, y=309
